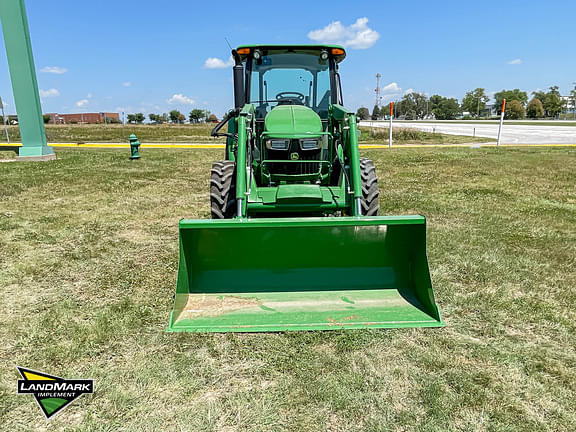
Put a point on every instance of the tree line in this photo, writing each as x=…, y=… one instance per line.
x=174, y=116
x=417, y=106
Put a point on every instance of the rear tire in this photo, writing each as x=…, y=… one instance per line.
x=370, y=193
x=223, y=190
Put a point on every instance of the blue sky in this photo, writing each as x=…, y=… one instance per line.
x=143, y=56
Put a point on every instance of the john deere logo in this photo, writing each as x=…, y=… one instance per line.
x=52, y=393
x=295, y=156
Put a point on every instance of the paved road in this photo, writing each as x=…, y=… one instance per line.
x=511, y=134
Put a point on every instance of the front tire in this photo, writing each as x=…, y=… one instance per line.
x=223, y=190
x=370, y=193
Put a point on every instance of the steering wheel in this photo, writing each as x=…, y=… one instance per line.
x=292, y=98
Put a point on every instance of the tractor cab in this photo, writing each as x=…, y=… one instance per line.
x=305, y=76
x=291, y=89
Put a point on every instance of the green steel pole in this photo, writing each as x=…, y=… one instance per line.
x=24, y=82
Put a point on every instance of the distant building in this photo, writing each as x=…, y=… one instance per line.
x=12, y=119
x=491, y=110
x=84, y=118
x=569, y=106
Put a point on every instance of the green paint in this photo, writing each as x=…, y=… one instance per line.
x=308, y=270
x=23, y=76
x=292, y=121
x=354, y=157
x=246, y=118
x=347, y=118
x=299, y=193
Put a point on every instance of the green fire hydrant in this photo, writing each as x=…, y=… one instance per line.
x=134, y=147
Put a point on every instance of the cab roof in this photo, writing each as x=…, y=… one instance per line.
x=338, y=57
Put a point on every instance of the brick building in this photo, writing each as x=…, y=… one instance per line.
x=84, y=118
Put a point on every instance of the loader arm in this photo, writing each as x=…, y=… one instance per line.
x=349, y=130
x=245, y=119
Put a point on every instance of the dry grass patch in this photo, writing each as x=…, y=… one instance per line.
x=88, y=246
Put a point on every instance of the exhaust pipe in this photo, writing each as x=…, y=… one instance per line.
x=239, y=92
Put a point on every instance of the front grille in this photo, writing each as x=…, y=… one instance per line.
x=294, y=165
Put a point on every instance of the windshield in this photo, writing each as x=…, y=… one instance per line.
x=288, y=78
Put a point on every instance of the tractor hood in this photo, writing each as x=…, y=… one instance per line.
x=292, y=121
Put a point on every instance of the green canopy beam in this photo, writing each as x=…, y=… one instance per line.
x=24, y=82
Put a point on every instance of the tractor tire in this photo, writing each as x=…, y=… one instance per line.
x=223, y=190
x=370, y=191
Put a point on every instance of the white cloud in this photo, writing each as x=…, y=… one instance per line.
x=391, y=88
x=82, y=103
x=49, y=93
x=54, y=70
x=181, y=99
x=356, y=36
x=216, y=63
x=89, y=96
x=515, y=62
x=127, y=84
x=408, y=91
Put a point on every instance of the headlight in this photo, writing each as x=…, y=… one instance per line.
x=309, y=144
x=278, y=144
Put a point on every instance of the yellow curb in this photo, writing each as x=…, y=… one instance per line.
x=380, y=146
x=221, y=146
x=120, y=145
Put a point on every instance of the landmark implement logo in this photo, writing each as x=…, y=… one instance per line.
x=52, y=393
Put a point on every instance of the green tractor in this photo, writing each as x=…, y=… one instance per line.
x=295, y=242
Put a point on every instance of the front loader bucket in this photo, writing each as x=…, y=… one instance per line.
x=303, y=274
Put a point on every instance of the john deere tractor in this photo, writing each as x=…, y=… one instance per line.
x=295, y=242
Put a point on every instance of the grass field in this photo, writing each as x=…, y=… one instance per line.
x=88, y=252
x=200, y=133
x=402, y=136
x=117, y=133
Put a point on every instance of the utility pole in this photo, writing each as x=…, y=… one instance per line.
x=377, y=91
